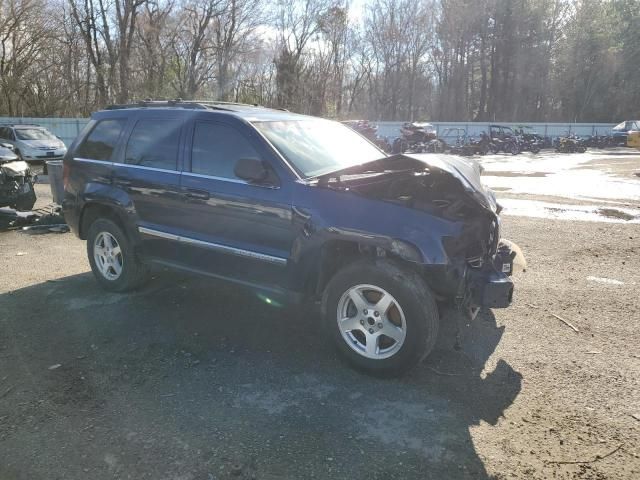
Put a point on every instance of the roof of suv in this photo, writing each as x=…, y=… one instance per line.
x=245, y=111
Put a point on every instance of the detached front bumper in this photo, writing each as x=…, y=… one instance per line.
x=490, y=289
x=491, y=286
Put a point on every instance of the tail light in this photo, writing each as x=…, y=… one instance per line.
x=65, y=174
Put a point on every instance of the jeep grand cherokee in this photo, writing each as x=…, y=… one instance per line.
x=292, y=206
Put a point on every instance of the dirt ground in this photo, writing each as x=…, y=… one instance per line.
x=189, y=379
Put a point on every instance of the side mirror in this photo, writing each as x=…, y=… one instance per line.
x=254, y=171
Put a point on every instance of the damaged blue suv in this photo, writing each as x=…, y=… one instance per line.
x=294, y=207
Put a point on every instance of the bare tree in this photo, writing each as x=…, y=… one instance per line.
x=192, y=47
x=234, y=32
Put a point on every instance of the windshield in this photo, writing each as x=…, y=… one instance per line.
x=34, y=134
x=316, y=147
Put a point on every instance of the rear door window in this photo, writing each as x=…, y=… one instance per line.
x=102, y=141
x=217, y=148
x=154, y=143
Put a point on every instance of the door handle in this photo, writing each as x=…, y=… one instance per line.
x=197, y=194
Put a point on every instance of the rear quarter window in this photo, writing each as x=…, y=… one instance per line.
x=102, y=141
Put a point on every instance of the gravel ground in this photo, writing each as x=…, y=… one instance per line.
x=190, y=379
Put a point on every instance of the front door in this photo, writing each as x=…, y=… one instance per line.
x=236, y=229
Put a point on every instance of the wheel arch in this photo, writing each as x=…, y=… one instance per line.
x=336, y=254
x=92, y=211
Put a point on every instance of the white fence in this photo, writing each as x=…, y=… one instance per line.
x=68, y=128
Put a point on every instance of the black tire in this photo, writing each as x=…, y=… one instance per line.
x=514, y=149
x=535, y=149
x=411, y=294
x=134, y=272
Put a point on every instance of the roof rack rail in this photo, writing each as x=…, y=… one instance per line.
x=12, y=124
x=178, y=102
x=220, y=102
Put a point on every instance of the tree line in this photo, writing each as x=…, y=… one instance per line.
x=446, y=60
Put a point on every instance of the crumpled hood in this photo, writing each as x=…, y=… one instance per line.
x=15, y=169
x=466, y=171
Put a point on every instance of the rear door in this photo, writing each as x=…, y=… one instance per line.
x=150, y=176
x=236, y=229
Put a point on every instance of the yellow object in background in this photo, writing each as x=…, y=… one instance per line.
x=633, y=139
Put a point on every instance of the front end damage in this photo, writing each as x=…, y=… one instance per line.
x=16, y=186
x=478, y=265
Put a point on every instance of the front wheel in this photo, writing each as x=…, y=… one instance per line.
x=381, y=316
x=113, y=260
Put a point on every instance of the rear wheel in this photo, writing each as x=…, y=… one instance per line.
x=113, y=260
x=382, y=317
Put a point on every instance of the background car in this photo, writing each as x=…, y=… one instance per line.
x=33, y=143
x=621, y=131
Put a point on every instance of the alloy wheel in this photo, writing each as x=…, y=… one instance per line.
x=371, y=321
x=108, y=256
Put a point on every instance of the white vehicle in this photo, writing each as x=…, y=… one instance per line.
x=33, y=143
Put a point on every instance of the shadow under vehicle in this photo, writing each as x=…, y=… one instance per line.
x=138, y=375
